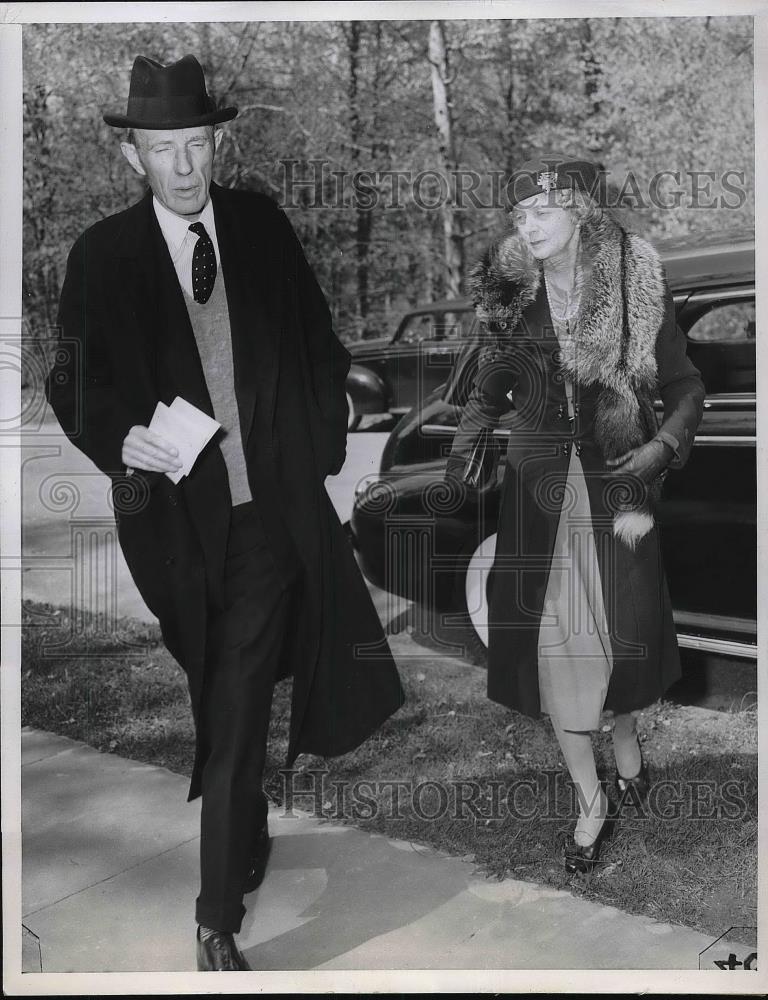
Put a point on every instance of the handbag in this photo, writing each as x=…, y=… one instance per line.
x=480, y=466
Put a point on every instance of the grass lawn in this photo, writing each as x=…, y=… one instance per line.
x=693, y=860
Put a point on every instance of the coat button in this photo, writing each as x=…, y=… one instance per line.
x=172, y=500
x=578, y=447
x=560, y=412
x=566, y=447
x=170, y=561
x=557, y=356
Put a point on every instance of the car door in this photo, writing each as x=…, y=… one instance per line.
x=426, y=346
x=708, y=516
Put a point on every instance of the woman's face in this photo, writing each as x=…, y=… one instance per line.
x=545, y=226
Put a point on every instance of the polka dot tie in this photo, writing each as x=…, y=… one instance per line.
x=203, y=264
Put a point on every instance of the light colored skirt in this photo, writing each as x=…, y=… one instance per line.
x=575, y=656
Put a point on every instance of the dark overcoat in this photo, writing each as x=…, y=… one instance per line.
x=526, y=370
x=126, y=342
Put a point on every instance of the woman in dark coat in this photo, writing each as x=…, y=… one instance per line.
x=581, y=338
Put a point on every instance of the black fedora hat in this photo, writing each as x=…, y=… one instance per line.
x=169, y=97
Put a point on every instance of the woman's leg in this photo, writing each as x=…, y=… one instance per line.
x=626, y=747
x=580, y=761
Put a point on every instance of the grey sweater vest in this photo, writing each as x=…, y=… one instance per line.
x=210, y=325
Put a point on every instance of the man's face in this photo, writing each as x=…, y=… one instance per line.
x=177, y=163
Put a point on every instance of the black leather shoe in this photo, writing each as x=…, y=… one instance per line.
x=636, y=788
x=586, y=859
x=259, y=858
x=219, y=953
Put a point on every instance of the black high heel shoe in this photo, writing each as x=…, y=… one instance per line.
x=636, y=788
x=586, y=859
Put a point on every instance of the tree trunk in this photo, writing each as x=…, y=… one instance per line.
x=364, y=217
x=453, y=235
x=508, y=93
x=592, y=73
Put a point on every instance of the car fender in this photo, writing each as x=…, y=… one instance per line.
x=367, y=389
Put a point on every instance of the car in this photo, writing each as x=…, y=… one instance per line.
x=414, y=538
x=392, y=375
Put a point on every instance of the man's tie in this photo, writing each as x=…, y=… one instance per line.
x=203, y=264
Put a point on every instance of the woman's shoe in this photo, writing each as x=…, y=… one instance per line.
x=585, y=859
x=637, y=787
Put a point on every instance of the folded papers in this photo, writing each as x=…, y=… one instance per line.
x=186, y=428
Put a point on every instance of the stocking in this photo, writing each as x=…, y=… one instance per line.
x=625, y=746
x=580, y=760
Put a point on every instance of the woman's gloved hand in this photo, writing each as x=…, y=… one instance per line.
x=645, y=462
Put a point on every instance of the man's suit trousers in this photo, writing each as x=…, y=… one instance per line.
x=245, y=641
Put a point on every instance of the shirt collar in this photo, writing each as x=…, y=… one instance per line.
x=175, y=228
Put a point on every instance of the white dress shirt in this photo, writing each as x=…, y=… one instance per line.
x=181, y=242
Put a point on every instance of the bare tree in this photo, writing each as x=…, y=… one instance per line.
x=442, y=80
x=353, y=34
x=592, y=73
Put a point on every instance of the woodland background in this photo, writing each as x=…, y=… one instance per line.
x=640, y=95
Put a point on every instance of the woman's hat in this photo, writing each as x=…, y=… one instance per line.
x=553, y=171
x=169, y=97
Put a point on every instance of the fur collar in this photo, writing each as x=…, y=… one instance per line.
x=506, y=280
x=622, y=367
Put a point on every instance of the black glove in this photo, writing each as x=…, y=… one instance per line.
x=645, y=462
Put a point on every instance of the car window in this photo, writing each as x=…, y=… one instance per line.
x=721, y=343
x=453, y=326
x=467, y=322
x=416, y=329
x=438, y=326
x=729, y=321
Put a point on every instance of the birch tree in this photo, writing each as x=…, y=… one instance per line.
x=453, y=229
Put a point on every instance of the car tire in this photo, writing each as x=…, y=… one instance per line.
x=471, y=598
x=353, y=420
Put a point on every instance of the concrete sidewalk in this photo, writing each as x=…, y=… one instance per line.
x=110, y=874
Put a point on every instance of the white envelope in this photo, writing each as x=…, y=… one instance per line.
x=186, y=428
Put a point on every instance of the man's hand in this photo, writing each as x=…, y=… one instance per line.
x=646, y=462
x=143, y=449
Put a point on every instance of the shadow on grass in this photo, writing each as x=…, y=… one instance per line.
x=691, y=860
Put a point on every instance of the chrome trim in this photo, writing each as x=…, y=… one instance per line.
x=727, y=647
x=432, y=430
x=744, y=400
x=441, y=430
x=722, y=294
x=718, y=440
x=737, y=401
x=722, y=623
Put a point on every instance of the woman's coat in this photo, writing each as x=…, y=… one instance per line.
x=614, y=383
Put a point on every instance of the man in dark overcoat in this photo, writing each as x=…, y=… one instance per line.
x=204, y=293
